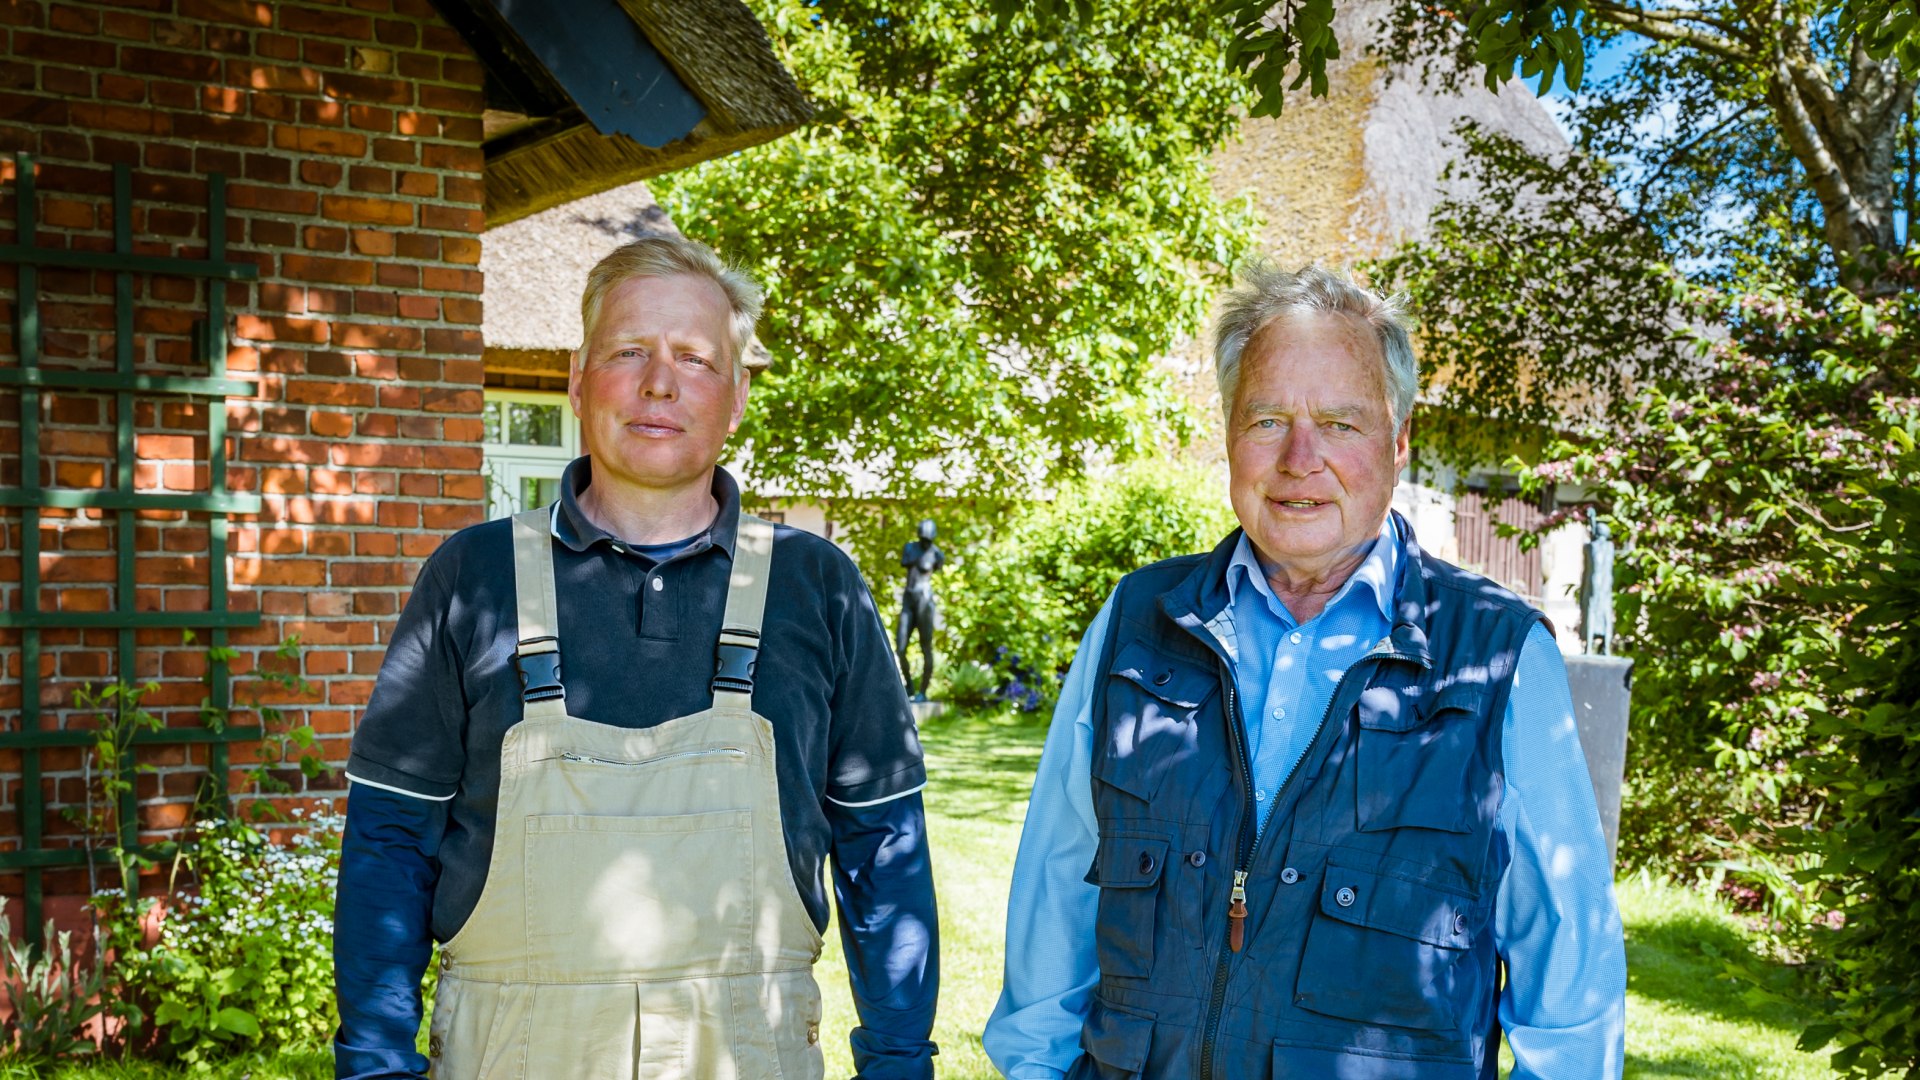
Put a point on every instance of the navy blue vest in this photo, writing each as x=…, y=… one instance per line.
x=1367, y=936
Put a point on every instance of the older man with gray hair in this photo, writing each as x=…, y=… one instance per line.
x=1313, y=804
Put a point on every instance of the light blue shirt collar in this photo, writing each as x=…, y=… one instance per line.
x=1375, y=576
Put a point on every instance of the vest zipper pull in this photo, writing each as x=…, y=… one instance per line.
x=1237, y=912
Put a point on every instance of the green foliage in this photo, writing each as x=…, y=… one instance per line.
x=107, y=777
x=1021, y=600
x=244, y=961
x=1543, y=300
x=50, y=998
x=976, y=251
x=1869, y=846
x=1741, y=495
x=968, y=683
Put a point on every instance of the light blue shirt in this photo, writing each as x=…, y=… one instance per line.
x=1556, y=926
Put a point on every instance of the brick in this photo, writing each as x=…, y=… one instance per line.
x=330, y=543
x=121, y=88
x=379, y=89
x=333, y=271
x=396, y=32
x=398, y=276
x=323, y=53
x=98, y=55
x=458, y=310
x=256, y=328
x=447, y=342
x=395, y=151
x=452, y=218
x=331, y=24
x=68, y=19
x=277, y=200
x=370, y=118
x=224, y=129
x=373, y=242
x=364, y=574
x=320, y=238
x=462, y=190
x=444, y=279
x=309, y=140
x=420, y=307
x=375, y=336
x=376, y=455
x=317, y=392
x=420, y=485
x=322, y=113
x=370, y=180
x=191, y=67
x=418, y=245
x=461, y=249
x=118, y=118
x=466, y=159
x=366, y=210
x=448, y=99
x=268, y=169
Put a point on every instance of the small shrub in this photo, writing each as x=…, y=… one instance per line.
x=969, y=683
x=50, y=999
x=244, y=961
x=1019, y=602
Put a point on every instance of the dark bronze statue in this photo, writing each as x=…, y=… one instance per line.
x=918, y=615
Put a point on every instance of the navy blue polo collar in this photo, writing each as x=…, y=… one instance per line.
x=572, y=527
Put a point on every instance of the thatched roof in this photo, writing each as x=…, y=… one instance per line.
x=1351, y=175
x=536, y=267
x=592, y=94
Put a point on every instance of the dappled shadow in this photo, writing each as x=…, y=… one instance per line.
x=982, y=765
x=1681, y=959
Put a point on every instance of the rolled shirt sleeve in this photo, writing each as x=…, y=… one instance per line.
x=1034, y=1032
x=1555, y=921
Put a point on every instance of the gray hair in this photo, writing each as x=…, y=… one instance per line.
x=1265, y=294
x=668, y=255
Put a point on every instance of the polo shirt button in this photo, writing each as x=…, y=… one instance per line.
x=658, y=584
x=620, y=549
x=1196, y=858
x=1344, y=897
x=1294, y=637
x=1259, y=796
x=1289, y=875
x=1146, y=862
x=1279, y=714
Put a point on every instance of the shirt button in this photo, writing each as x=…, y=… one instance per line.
x=1294, y=637
x=1289, y=875
x=1196, y=858
x=658, y=584
x=1460, y=923
x=1260, y=796
x=1344, y=897
x=1279, y=714
x=1146, y=863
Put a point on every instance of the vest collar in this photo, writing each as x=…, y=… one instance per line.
x=1200, y=598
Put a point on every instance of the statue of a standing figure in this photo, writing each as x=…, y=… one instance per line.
x=1596, y=586
x=917, y=612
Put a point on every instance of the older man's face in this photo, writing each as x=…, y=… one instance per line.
x=1311, y=442
x=655, y=387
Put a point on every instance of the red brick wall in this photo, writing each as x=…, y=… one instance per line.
x=350, y=135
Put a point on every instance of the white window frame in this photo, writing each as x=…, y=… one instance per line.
x=505, y=465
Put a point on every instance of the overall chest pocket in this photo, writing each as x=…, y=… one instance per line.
x=1128, y=869
x=1418, y=759
x=1153, y=704
x=1384, y=949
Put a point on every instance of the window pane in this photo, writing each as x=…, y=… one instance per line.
x=533, y=425
x=538, y=491
x=491, y=418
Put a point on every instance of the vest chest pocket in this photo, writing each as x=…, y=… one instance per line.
x=1127, y=869
x=1416, y=759
x=1153, y=704
x=1388, y=950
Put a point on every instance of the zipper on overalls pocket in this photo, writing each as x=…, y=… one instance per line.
x=584, y=759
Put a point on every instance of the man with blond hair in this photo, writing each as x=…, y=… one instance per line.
x=1313, y=804
x=613, y=743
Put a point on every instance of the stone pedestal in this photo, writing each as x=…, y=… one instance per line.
x=1600, y=698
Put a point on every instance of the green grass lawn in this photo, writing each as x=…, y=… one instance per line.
x=1683, y=1019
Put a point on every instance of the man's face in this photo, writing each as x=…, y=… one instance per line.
x=654, y=385
x=1311, y=445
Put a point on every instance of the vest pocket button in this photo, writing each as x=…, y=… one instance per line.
x=1196, y=858
x=1289, y=875
x=1344, y=897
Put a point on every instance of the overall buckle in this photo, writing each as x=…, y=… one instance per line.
x=540, y=672
x=734, y=662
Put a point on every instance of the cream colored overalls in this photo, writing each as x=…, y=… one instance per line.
x=639, y=918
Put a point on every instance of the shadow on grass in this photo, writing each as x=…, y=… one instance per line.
x=980, y=764
x=1681, y=958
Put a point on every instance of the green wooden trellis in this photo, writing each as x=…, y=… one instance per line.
x=210, y=339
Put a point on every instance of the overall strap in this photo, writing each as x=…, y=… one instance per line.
x=537, y=657
x=739, y=646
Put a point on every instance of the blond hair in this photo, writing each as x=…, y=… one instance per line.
x=667, y=255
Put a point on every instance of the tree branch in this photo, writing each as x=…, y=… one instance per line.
x=1669, y=26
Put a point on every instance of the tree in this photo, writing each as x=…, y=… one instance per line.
x=1837, y=77
x=979, y=248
